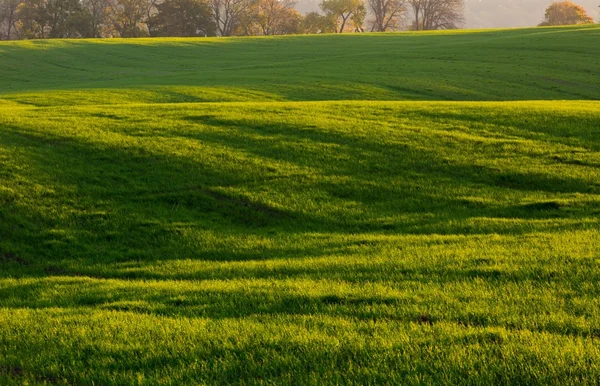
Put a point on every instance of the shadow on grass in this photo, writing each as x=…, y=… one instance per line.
x=364, y=157
x=266, y=299
x=572, y=128
x=129, y=204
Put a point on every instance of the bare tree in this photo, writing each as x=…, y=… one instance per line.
x=437, y=14
x=228, y=14
x=387, y=14
x=8, y=18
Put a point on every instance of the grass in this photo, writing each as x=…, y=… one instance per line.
x=487, y=65
x=256, y=232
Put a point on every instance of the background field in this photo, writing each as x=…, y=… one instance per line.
x=519, y=64
x=284, y=210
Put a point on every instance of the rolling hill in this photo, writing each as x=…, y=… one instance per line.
x=368, y=209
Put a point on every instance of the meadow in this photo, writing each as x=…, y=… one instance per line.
x=409, y=208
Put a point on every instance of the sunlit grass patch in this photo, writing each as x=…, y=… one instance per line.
x=192, y=224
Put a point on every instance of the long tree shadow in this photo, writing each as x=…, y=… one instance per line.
x=570, y=127
x=380, y=158
x=130, y=204
x=246, y=299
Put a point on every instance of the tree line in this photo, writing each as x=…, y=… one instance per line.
x=40, y=19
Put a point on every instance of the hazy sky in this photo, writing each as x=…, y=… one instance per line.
x=495, y=13
x=514, y=13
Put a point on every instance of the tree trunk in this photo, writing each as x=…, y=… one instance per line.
x=417, y=18
x=10, y=24
x=344, y=22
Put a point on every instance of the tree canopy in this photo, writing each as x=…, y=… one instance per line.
x=566, y=13
x=343, y=11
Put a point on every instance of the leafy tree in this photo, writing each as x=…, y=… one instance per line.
x=183, y=18
x=128, y=17
x=32, y=19
x=291, y=23
x=97, y=16
x=314, y=23
x=566, y=13
x=38, y=19
x=437, y=14
x=65, y=18
x=343, y=11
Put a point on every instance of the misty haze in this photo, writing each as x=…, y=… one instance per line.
x=494, y=13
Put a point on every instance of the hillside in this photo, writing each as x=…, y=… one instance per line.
x=404, y=209
x=528, y=64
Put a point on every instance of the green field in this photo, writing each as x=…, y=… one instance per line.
x=367, y=209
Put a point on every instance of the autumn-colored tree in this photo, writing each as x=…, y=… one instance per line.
x=437, y=14
x=291, y=23
x=343, y=11
x=566, y=13
x=387, y=14
x=277, y=17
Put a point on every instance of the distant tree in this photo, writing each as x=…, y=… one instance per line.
x=387, y=14
x=566, y=13
x=247, y=23
x=8, y=18
x=65, y=18
x=151, y=11
x=291, y=23
x=32, y=19
x=39, y=19
x=343, y=11
x=183, y=18
x=277, y=17
x=437, y=14
x=97, y=16
x=314, y=23
x=358, y=18
x=229, y=14
x=128, y=17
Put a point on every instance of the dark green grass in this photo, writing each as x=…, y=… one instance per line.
x=332, y=242
x=544, y=63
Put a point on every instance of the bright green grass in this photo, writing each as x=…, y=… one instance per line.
x=341, y=242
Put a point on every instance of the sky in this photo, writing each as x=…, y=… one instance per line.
x=514, y=13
